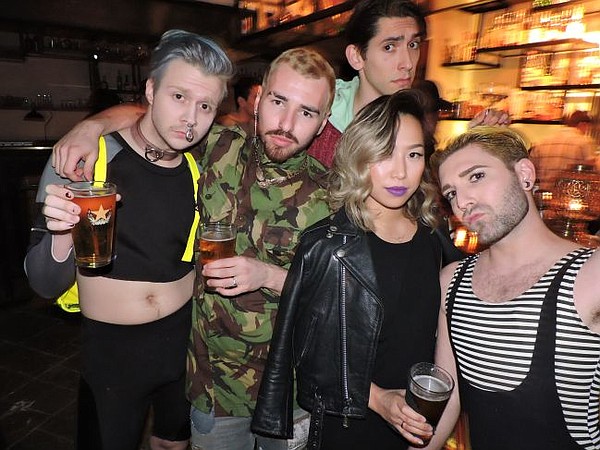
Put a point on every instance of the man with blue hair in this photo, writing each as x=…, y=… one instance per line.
x=136, y=311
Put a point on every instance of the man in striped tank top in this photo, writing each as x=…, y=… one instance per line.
x=521, y=319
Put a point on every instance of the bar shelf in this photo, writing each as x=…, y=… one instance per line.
x=317, y=16
x=524, y=121
x=556, y=46
x=471, y=65
x=562, y=87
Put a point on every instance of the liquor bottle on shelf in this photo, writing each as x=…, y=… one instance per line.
x=540, y=3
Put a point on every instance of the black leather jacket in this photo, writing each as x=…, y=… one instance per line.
x=331, y=345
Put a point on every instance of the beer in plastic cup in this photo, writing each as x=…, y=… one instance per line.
x=93, y=235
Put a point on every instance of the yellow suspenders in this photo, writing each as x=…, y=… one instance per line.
x=189, y=248
x=69, y=301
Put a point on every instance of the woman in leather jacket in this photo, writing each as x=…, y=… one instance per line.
x=361, y=300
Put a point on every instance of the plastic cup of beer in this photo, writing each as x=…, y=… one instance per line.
x=93, y=235
x=429, y=388
x=217, y=241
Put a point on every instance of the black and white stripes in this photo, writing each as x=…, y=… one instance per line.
x=494, y=345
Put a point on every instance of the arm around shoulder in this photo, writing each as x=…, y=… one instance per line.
x=81, y=142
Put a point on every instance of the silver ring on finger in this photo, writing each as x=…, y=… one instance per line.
x=233, y=284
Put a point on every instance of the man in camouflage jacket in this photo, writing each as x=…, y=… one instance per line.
x=271, y=190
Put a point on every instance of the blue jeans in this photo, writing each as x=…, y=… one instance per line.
x=233, y=433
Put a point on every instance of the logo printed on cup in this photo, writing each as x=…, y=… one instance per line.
x=99, y=217
x=93, y=235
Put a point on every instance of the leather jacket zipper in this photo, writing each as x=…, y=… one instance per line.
x=344, y=349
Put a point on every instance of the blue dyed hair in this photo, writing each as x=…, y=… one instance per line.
x=199, y=51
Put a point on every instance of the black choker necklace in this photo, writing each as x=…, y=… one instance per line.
x=265, y=182
x=151, y=152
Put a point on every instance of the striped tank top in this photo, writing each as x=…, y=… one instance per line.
x=494, y=345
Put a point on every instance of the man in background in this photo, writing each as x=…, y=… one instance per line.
x=244, y=92
x=435, y=105
x=384, y=39
x=568, y=146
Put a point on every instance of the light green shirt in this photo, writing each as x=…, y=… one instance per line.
x=343, y=103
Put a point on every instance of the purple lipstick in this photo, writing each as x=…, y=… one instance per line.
x=397, y=191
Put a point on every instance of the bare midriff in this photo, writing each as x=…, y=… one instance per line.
x=127, y=302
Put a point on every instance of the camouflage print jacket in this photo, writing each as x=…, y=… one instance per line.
x=230, y=336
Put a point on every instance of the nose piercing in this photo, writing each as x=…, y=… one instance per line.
x=189, y=134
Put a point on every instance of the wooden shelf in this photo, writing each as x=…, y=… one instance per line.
x=538, y=121
x=524, y=121
x=86, y=55
x=45, y=108
x=298, y=22
x=562, y=87
x=471, y=65
x=561, y=4
x=556, y=46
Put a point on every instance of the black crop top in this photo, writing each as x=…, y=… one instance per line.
x=154, y=216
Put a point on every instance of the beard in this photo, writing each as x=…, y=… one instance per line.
x=277, y=153
x=514, y=207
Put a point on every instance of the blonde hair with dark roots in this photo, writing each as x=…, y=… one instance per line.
x=502, y=143
x=371, y=138
x=308, y=63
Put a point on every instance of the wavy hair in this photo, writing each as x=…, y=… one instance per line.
x=371, y=138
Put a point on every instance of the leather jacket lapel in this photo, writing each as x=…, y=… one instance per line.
x=355, y=256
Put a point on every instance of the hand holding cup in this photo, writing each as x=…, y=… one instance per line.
x=429, y=389
x=217, y=241
x=93, y=235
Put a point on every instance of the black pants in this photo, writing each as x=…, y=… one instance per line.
x=127, y=369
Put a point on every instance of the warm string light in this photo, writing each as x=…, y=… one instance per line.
x=465, y=240
x=576, y=205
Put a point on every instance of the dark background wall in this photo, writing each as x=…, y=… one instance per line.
x=134, y=17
